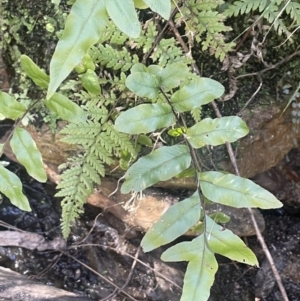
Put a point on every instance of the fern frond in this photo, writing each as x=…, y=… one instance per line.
x=100, y=142
x=119, y=138
x=167, y=52
x=196, y=114
x=113, y=58
x=293, y=9
x=271, y=15
x=245, y=6
x=146, y=38
x=203, y=19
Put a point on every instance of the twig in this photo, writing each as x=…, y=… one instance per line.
x=129, y=255
x=271, y=67
x=158, y=38
x=116, y=291
x=251, y=98
x=257, y=231
x=98, y=274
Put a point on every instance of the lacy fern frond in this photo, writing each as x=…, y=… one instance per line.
x=245, y=6
x=113, y=58
x=99, y=143
x=271, y=11
x=204, y=22
x=167, y=52
x=196, y=114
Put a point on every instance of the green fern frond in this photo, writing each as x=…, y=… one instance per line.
x=113, y=58
x=196, y=114
x=99, y=142
x=206, y=23
x=293, y=9
x=271, y=15
x=167, y=52
x=119, y=138
x=245, y=6
x=146, y=38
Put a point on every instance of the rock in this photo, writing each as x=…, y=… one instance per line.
x=14, y=286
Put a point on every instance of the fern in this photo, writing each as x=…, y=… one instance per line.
x=113, y=58
x=245, y=6
x=147, y=37
x=270, y=10
x=206, y=24
x=167, y=52
x=99, y=143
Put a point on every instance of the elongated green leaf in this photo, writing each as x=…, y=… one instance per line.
x=231, y=190
x=90, y=82
x=201, y=270
x=145, y=118
x=25, y=149
x=83, y=28
x=9, y=107
x=143, y=84
x=197, y=93
x=65, y=108
x=224, y=242
x=162, y=7
x=124, y=16
x=161, y=165
x=216, y=131
x=173, y=75
x=175, y=222
x=11, y=186
x=39, y=77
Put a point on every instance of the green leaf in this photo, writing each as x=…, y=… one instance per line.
x=25, y=149
x=143, y=84
x=124, y=16
x=65, y=108
x=39, y=77
x=11, y=108
x=175, y=222
x=201, y=270
x=11, y=186
x=138, y=67
x=83, y=28
x=161, y=165
x=216, y=131
x=162, y=7
x=220, y=217
x=144, y=140
x=195, y=94
x=90, y=82
x=154, y=69
x=173, y=75
x=231, y=190
x=145, y=118
x=225, y=243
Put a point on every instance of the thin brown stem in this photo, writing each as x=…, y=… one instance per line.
x=254, y=222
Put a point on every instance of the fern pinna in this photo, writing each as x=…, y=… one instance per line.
x=99, y=143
